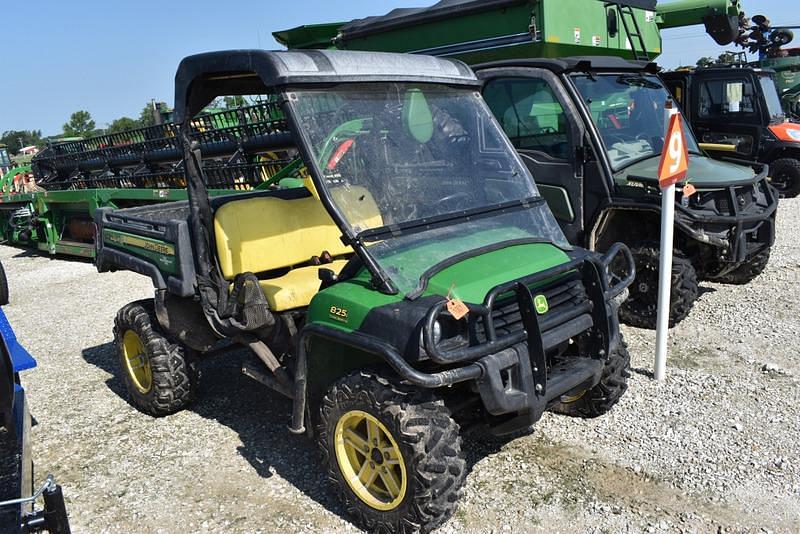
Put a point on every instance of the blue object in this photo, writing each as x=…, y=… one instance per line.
x=21, y=360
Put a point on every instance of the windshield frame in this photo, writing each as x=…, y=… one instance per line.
x=592, y=125
x=769, y=78
x=358, y=240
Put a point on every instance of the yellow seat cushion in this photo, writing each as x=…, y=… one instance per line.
x=263, y=234
x=296, y=288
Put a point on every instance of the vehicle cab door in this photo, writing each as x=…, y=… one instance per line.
x=535, y=112
x=726, y=110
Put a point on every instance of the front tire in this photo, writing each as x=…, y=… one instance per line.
x=747, y=272
x=641, y=308
x=393, y=454
x=600, y=399
x=785, y=176
x=161, y=377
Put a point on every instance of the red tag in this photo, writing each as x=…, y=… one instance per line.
x=688, y=190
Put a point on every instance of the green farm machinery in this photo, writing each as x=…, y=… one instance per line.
x=51, y=203
x=481, y=31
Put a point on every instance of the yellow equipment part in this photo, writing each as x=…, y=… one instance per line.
x=296, y=288
x=718, y=147
x=264, y=234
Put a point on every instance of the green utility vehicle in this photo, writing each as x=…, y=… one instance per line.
x=590, y=129
x=406, y=283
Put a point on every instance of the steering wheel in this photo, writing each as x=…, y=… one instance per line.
x=617, y=138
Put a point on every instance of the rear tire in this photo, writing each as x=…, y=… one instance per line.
x=3, y=286
x=785, y=174
x=601, y=398
x=641, y=308
x=424, y=462
x=161, y=377
x=746, y=273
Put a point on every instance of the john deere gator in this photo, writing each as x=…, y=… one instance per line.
x=404, y=284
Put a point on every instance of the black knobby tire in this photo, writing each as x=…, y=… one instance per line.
x=747, y=272
x=785, y=174
x=174, y=371
x=3, y=286
x=641, y=308
x=428, y=440
x=601, y=398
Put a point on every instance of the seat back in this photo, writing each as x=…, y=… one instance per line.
x=267, y=233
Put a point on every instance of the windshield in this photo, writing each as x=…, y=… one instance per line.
x=628, y=110
x=774, y=107
x=408, y=165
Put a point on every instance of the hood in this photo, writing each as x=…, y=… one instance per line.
x=703, y=172
x=473, y=277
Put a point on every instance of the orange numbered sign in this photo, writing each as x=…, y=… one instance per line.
x=675, y=156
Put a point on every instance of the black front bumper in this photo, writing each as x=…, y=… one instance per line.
x=509, y=363
x=737, y=220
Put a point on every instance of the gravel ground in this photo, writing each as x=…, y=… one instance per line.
x=715, y=447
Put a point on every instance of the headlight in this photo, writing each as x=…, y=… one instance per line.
x=437, y=335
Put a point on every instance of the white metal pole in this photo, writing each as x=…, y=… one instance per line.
x=665, y=268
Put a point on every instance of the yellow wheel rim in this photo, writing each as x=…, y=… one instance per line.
x=569, y=399
x=370, y=460
x=136, y=362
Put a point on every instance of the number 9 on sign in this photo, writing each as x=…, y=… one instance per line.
x=675, y=156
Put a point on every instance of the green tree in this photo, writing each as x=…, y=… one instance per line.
x=704, y=62
x=148, y=115
x=12, y=139
x=234, y=101
x=80, y=124
x=123, y=124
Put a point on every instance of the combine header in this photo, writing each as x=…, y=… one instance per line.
x=51, y=203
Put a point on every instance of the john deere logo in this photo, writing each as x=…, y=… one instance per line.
x=541, y=305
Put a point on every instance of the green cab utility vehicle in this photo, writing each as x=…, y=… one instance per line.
x=408, y=282
x=590, y=128
x=591, y=131
x=737, y=111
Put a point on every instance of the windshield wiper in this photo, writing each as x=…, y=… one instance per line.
x=437, y=221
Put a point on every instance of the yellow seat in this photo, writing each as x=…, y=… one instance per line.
x=264, y=234
x=296, y=288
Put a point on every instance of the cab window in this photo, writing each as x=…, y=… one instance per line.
x=725, y=98
x=530, y=114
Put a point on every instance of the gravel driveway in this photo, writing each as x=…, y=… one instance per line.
x=716, y=446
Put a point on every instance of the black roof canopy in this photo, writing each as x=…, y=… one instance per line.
x=404, y=17
x=203, y=77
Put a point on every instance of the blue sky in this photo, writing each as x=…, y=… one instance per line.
x=110, y=57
